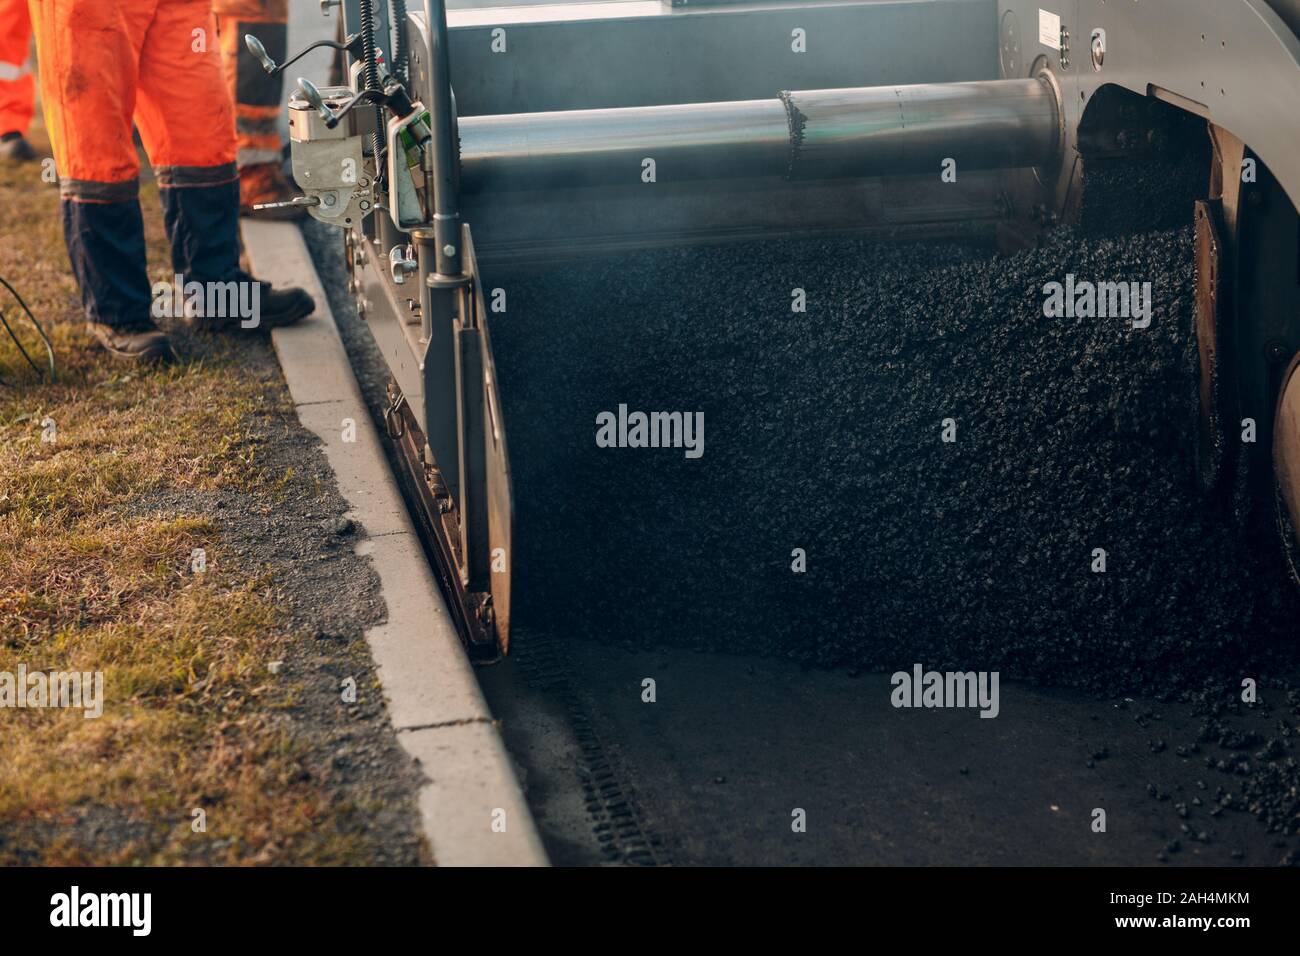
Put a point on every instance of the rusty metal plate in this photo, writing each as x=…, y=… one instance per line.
x=500, y=491
x=1211, y=439
x=1286, y=464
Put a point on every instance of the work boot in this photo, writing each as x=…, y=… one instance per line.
x=271, y=309
x=266, y=183
x=15, y=149
x=144, y=342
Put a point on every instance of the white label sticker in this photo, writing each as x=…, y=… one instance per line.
x=1049, y=29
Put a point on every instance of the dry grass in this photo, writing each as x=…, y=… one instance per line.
x=92, y=581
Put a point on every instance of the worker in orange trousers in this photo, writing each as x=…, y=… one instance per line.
x=257, y=102
x=104, y=65
x=17, y=85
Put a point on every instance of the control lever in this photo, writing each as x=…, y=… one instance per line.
x=295, y=201
x=256, y=48
x=313, y=98
x=332, y=118
x=351, y=45
x=326, y=4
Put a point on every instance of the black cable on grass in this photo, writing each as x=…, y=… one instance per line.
x=49, y=349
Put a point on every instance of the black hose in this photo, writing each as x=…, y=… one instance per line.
x=401, y=56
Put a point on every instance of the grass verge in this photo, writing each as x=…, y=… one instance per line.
x=107, y=482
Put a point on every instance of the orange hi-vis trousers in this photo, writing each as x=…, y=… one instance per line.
x=151, y=61
x=256, y=95
x=17, y=85
x=103, y=65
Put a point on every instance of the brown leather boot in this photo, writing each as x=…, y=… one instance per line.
x=140, y=343
x=266, y=183
x=15, y=149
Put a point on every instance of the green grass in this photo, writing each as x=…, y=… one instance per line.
x=92, y=581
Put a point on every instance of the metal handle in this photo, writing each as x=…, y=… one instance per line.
x=326, y=4
x=289, y=203
x=351, y=45
x=255, y=47
x=313, y=98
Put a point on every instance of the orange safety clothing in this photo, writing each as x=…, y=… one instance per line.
x=102, y=65
x=17, y=85
x=154, y=61
x=256, y=95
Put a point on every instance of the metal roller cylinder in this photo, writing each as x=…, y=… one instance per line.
x=604, y=147
x=815, y=134
x=890, y=130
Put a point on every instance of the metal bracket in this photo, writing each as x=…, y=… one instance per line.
x=394, y=424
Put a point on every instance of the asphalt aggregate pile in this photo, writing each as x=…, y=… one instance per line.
x=824, y=449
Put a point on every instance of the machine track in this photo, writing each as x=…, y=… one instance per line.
x=618, y=821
